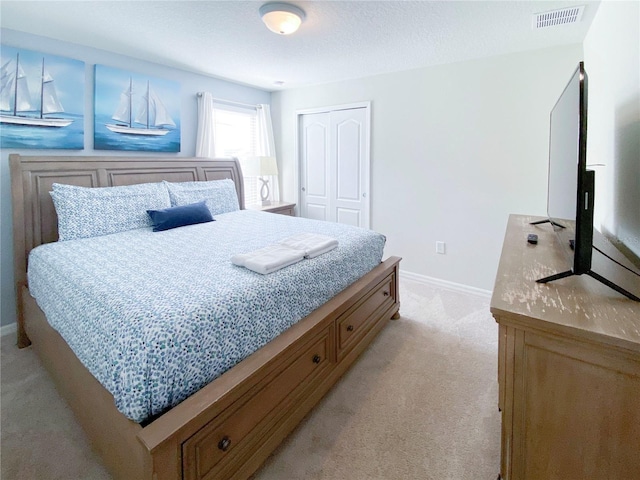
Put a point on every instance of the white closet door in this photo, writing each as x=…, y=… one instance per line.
x=349, y=168
x=334, y=166
x=314, y=171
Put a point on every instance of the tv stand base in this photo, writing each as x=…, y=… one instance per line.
x=540, y=222
x=592, y=274
x=557, y=276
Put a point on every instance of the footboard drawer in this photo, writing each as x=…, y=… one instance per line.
x=209, y=453
x=359, y=319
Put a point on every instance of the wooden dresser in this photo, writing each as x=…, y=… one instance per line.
x=568, y=366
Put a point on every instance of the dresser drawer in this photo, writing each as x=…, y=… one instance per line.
x=358, y=320
x=206, y=454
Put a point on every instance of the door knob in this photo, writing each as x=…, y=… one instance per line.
x=303, y=189
x=364, y=195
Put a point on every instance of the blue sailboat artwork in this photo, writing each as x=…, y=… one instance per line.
x=135, y=112
x=41, y=100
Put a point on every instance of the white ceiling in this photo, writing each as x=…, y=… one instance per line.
x=338, y=40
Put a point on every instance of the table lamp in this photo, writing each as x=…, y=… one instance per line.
x=261, y=167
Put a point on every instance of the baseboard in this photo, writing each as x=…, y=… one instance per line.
x=8, y=329
x=456, y=287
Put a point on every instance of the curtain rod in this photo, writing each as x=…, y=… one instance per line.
x=231, y=102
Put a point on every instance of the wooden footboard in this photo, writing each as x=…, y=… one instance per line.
x=229, y=428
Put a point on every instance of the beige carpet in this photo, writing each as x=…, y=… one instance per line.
x=420, y=403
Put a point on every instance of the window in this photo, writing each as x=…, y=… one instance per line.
x=236, y=136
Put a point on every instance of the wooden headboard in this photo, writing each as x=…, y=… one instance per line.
x=34, y=217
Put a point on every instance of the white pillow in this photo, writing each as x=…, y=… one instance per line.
x=91, y=212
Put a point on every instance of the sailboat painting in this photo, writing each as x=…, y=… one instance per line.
x=41, y=100
x=135, y=112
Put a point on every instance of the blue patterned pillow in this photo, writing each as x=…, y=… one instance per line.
x=174, y=217
x=91, y=212
x=219, y=195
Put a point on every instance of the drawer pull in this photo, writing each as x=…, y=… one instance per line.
x=385, y=293
x=350, y=328
x=224, y=444
x=316, y=359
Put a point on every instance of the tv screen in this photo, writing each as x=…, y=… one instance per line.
x=570, y=189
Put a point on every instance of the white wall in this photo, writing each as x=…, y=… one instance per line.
x=455, y=149
x=612, y=62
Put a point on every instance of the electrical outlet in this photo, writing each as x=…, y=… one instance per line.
x=440, y=247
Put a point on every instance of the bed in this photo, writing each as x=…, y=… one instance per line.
x=229, y=426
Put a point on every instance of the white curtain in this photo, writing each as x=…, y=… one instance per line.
x=205, y=133
x=266, y=146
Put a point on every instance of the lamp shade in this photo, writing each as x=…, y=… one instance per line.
x=260, y=166
x=282, y=18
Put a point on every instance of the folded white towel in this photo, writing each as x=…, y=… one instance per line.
x=313, y=244
x=268, y=259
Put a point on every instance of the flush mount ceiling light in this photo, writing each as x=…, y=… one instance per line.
x=282, y=18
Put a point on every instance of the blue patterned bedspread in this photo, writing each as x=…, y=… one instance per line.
x=156, y=316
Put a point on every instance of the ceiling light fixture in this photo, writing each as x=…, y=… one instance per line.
x=282, y=18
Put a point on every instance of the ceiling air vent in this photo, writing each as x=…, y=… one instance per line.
x=563, y=16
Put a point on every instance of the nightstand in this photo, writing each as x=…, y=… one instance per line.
x=283, y=208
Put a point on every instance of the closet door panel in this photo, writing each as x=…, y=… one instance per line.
x=349, y=176
x=349, y=217
x=315, y=186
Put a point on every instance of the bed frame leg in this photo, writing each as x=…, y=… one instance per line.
x=22, y=340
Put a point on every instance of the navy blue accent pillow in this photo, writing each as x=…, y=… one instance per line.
x=174, y=217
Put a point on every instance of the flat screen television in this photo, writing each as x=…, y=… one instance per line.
x=571, y=185
x=570, y=194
